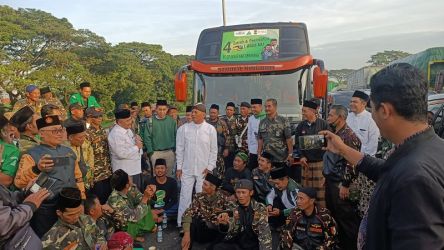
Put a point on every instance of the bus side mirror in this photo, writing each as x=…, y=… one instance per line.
x=320, y=80
x=180, y=86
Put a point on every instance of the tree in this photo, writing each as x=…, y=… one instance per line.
x=386, y=57
x=36, y=47
x=340, y=75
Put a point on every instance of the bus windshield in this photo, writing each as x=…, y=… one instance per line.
x=220, y=89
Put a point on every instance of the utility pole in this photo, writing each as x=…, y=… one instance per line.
x=223, y=13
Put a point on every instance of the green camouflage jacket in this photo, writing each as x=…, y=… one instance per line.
x=204, y=207
x=84, y=234
x=127, y=207
x=102, y=161
x=260, y=225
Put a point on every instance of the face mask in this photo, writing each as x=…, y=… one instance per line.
x=333, y=124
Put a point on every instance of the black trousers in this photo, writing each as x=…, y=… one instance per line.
x=199, y=232
x=277, y=221
x=226, y=246
x=43, y=219
x=345, y=214
x=102, y=189
x=294, y=172
x=228, y=161
x=252, y=161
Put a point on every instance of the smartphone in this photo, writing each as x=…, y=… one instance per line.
x=60, y=160
x=43, y=181
x=308, y=142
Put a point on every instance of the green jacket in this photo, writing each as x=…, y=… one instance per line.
x=10, y=157
x=159, y=134
x=91, y=102
x=85, y=234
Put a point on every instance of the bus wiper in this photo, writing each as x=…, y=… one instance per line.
x=300, y=86
x=202, y=79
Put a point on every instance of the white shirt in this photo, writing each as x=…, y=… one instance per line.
x=285, y=200
x=196, y=148
x=365, y=128
x=253, y=128
x=125, y=154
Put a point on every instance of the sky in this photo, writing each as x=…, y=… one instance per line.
x=344, y=33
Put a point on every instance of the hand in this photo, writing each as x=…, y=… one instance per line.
x=45, y=163
x=303, y=162
x=334, y=142
x=186, y=240
x=72, y=246
x=223, y=218
x=149, y=191
x=274, y=212
x=205, y=172
x=38, y=197
x=31, y=183
x=178, y=174
x=226, y=153
x=290, y=159
x=107, y=208
x=139, y=143
x=344, y=192
x=158, y=211
x=269, y=208
x=138, y=138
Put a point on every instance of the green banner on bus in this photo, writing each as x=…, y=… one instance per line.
x=250, y=45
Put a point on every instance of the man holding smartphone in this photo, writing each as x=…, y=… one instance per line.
x=41, y=159
x=311, y=160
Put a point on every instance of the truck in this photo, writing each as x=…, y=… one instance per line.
x=263, y=60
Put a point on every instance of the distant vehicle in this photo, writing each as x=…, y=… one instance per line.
x=264, y=60
x=435, y=101
x=342, y=97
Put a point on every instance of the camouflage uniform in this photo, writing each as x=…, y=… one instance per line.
x=106, y=225
x=230, y=143
x=58, y=103
x=262, y=184
x=205, y=208
x=102, y=162
x=241, y=124
x=85, y=155
x=222, y=134
x=274, y=133
x=259, y=226
x=309, y=232
x=84, y=234
x=127, y=208
x=26, y=142
x=36, y=107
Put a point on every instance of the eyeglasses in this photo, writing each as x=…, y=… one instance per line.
x=55, y=131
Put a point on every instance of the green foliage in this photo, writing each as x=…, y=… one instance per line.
x=386, y=57
x=36, y=47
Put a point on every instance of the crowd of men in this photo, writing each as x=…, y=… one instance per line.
x=69, y=183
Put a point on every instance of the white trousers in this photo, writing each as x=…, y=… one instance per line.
x=186, y=193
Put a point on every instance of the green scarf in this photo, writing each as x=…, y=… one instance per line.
x=260, y=116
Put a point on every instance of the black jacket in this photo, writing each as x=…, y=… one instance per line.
x=407, y=207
